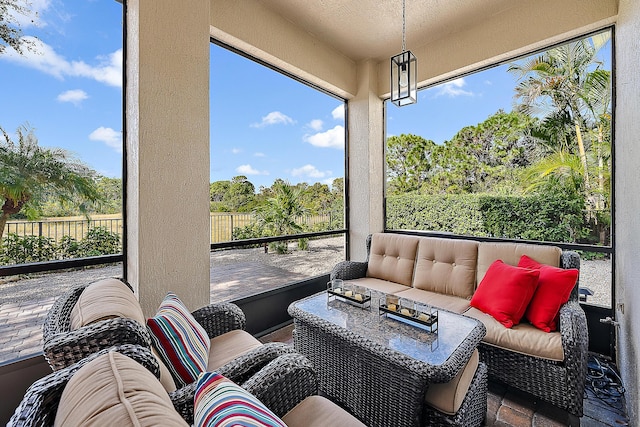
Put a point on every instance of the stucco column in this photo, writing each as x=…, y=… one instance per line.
x=167, y=123
x=627, y=201
x=366, y=160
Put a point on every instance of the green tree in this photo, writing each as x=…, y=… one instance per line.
x=28, y=173
x=10, y=31
x=409, y=161
x=569, y=88
x=240, y=196
x=279, y=211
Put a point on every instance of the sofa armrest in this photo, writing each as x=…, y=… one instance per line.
x=220, y=318
x=283, y=383
x=348, y=270
x=64, y=349
x=575, y=343
x=571, y=259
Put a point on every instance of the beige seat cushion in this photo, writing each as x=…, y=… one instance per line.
x=510, y=253
x=380, y=285
x=105, y=299
x=446, y=266
x=392, y=257
x=317, y=411
x=448, y=397
x=523, y=338
x=447, y=302
x=114, y=390
x=228, y=346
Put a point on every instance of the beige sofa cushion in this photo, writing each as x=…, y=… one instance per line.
x=317, y=411
x=228, y=346
x=380, y=285
x=392, y=257
x=510, y=253
x=523, y=338
x=114, y=390
x=105, y=299
x=448, y=302
x=446, y=266
x=448, y=397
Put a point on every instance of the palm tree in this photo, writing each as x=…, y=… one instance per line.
x=568, y=87
x=28, y=173
x=279, y=212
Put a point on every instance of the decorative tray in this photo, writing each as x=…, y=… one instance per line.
x=410, y=314
x=363, y=298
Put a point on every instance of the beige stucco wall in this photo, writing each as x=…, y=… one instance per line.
x=627, y=178
x=516, y=31
x=167, y=114
x=366, y=160
x=249, y=26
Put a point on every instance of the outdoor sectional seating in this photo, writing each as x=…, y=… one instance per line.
x=111, y=315
x=119, y=386
x=445, y=272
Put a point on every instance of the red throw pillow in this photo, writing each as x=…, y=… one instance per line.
x=554, y=288
x=505, y=292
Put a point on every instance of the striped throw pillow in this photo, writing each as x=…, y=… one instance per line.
x=221, y=402
x=180, y=341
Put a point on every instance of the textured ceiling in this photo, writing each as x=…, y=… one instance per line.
x=347, y=24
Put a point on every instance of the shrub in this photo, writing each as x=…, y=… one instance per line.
x=20, y=250
x=100, y=241
x=303, y=244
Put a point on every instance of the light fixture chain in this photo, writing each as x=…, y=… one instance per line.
x=404, y=41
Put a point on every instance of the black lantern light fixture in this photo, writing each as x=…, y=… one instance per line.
x=404, y=70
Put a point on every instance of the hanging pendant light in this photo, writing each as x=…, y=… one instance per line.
x=404, y=68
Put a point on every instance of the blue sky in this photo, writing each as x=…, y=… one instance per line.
x=264, y=125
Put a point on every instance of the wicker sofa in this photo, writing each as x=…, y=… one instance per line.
x=445, y=272
x=119, y=386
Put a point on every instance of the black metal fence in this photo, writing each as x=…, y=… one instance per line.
x=221, y=226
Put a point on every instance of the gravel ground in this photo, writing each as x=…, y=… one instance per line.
x=320, y=258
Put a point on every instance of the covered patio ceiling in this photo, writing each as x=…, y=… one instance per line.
x=364, y=29
x=326, y=41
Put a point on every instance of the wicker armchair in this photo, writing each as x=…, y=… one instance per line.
x=281, y=384
x=64, y=347
x=559, y=383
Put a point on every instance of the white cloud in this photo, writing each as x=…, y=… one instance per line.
x=75, y=96
x=236, y=151
x=453, y=89
x=310, y=171
x=274, y=118
x=34, y=12
x=316, y=124
x=109, y=136
x=44, y=58
x=333, y=138
x=259, y=154
x=249, y=170
x=338, y=112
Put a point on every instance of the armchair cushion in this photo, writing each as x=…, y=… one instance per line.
x=554, y=288
x=115, y=390
x=227, y=347
x=220, y=402
x=105, y=299
x=181, y=342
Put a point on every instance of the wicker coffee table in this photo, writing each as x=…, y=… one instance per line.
x=377, y=367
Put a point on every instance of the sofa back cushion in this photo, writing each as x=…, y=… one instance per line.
x=446, y=266
x=114, y=390
x=105, y=299
x=392, y=257
x=510, y=253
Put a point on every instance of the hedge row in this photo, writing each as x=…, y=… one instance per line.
x=25, y=249
x=554, y=219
